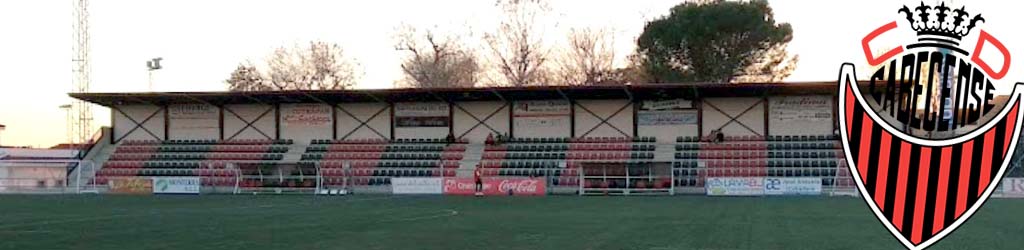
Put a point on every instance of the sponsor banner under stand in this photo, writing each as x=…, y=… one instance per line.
x=422, y=185
x=792, y=186
x=131, y=186
x=176, y=185
x=495, y=186
x=734, y=186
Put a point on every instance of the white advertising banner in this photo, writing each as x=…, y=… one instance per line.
x=541, y=108
x=734, y=186
x=666, y=117
x=421, y=114
x=674, y=104
x=792, y=186
x=193, y=112
x=176, y=185
x=1013, y=187
x=416, y=185
x=421, y=109
x=800, y=109
x=666, y=113
x=311, y=115
x=541, y=115
x=193, y=121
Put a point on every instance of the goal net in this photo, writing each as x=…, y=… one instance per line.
x=626, y=179
x=278, y=179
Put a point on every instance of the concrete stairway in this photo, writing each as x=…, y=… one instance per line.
x=474, y=152
x=665, y=153
x=99, y=155
x=294, y=154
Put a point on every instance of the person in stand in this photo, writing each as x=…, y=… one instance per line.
x=490, y=139
x=717, y=136
x=477, y=176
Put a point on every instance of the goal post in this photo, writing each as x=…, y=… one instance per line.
x=277, y=178
x=634, y=178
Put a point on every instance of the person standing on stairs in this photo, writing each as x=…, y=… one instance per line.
x=477, y=176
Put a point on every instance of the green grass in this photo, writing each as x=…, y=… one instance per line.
x=436, y=222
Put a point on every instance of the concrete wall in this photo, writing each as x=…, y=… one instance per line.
x=800, y=115
x=546, y=118
x=351, y=115
x=27, y=177
x=127, y=129
x=306, y=121
x=717, y=113
x=263, y=127
x=787, y=115
x=493, y=119
x=617, y=116
x=193, y=121
x=424, y=120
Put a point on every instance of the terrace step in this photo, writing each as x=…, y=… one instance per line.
x=470, y=159
x=664, y=153
x=294, y=154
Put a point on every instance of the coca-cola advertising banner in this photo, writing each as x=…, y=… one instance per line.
x=496, y=186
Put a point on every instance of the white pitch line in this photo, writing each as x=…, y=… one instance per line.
x=64, y=221
x=447, y=213
x=25, y=231
x=175, y=210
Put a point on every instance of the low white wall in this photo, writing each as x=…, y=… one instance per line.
x=351, y=115
x=494, y=117
x=127, y=129
x=717, y=113
x=590, y=113
x=263, y=127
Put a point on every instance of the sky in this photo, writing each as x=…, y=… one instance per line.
x=203, y=41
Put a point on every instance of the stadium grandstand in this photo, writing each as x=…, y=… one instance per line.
x=639, y=139
x=386, y=169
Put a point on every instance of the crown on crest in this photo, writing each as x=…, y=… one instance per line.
x=941, y=21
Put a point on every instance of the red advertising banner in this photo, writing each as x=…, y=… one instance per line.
x=496, y=186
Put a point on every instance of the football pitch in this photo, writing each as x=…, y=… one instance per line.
x=439, y=222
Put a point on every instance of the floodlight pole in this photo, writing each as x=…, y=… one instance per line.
x=153, y=65
x=70, y=122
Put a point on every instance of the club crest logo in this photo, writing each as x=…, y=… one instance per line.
x=930, y=131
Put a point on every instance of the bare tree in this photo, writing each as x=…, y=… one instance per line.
x=285, y=69
x=436, y=60
x=588, y=59
x=518, y=51
x=321, y=65
x=247, y=78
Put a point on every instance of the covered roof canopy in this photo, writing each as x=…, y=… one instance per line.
x=643, y=92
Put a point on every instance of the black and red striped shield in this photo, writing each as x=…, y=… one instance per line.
x=922, y=190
